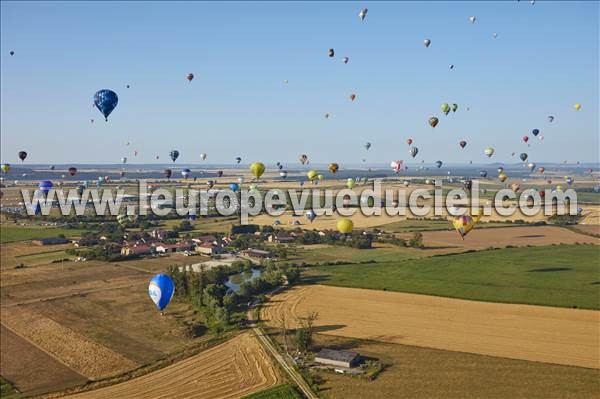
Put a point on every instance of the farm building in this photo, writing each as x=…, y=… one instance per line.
x=138, y=249
x=338, y=358
x=209, y=248
x=171, y=248
x=258, y=253
x=50, y=241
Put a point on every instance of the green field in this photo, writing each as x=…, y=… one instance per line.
x=279, y=392
x=8, y=392
x=43, y=257
x=315, y=254
x=565, y=275
x=15, y=233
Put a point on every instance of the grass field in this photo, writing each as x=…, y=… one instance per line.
x=285, y=391
x=7, y=391
x=15, y=233
x=565, y=275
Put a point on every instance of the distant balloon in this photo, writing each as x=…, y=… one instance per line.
x=494, y=35
x=445, y=109
x=577, y=106
x=346, y=59
x=541, y=169
x=426, y=42
x=363, y=14
x=367, y=145
x=5, y=167
x=234, y=187
x=185, y=172
x=489, y=152
x=352, y=97
x=523, y=156
x=397, y=165
x=168, y=173
x=502, y=177
x=106, y=101
x=462, y=144
x=531, y=166
x=526, y=138
x=331, y=53
x=11, y=52
x=409, y=141
x=550, y=118
x=257, y=169
x=190, y=77
x=454, y=107
x=464, y=224
x=345, y=226
x=350, y=183
x=283, y=174
x=238, y=160
x=311, y=215
x=333, y=167
x=303, y=159
x=72, y=171
x=203, y=156
x=161, y=290
x=124, y=159
x=483, y=173
x=438, y=164
x=174, y=154
x=413, y=151
x=472, y=19
x=433, y=121
x=535, y=132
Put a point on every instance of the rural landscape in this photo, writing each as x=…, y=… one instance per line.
x=142, y=252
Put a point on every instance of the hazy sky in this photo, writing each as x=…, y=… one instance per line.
x=544, y=60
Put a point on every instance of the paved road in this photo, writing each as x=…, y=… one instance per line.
x=290, y=370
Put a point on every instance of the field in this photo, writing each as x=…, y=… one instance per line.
x=15, y=233
x=279, y=392
x=564, y=275
x=416, y=372
x=230, y=370
x=502, y=330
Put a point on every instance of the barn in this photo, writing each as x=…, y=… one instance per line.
x=338, y=358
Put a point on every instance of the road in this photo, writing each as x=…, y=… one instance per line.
x=290, y=370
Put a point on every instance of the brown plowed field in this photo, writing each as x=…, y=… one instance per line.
x=536, y=333
x=32, y=370
x=233, y=369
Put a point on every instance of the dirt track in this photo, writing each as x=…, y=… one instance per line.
x=544, y=334
x=233, y=369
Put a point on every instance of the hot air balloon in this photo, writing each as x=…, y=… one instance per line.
x=515, y=187
x=541, y=169
x=303, y=159
x=396, y=165
x=72, y=171
x=502, y=177
x=362, y=14
x=311, y=174
x=483, y=173
x=331, y=53
x=11, y=52
x=454, y=107
x=124, y=159
x=240, y=179
x=161, y=290
x=494, y=35
x=350, y=183
x=535, y=132
x=238, y=160
x=174, y=154
x=433, y=121
x=51, y=167
x=345, y=226
x=5, y=167
x=451, y=66
x=464, y=224
x=106, y=101
x=186, y=172
x=283, y=174
x=500, y=169
x=569, y=180
x=413, y=151
x=352, y=97
x=257, y=169
x=462, y=144
x=577, y=106
x=203, y=156
x=333, y=168
x=252, y=187
x=346, y=59
x=472, y=19
x=531, y=166
x=327, y=115
x=168, y=173
x=426, y=42
x=219, y=173
x=438, y=164
x=210, y=183
x=523, y=156
x=190, y=77
x=550, y=118
x=468, y=184
x=311, y=215
x=22, y=155
x=367, y=145
x=409, y=141
x=234, y=187
x=526, y=138
x=489, y=152
x=445, y=109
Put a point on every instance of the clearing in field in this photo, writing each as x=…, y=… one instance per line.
x=543, y=334
x=233, y=369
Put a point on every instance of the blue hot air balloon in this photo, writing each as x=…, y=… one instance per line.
x=106, y=101
x=161, y=290
x=45, y=186
x=185, y=172
x=174, y=154
x=234, y=187
x=483, y=173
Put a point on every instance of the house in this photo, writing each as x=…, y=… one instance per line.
x=49, y=241
x=172, y=248
x=159, y=234
x=86, y=242
x=136, y=250
x=258, y=253
x=280, y=238
x=338, y=358
x=208, y=239
x=209, y=248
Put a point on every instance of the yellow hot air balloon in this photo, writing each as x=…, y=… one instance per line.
x=312, y=174
x=465, y=223
x=257, y=169
x=350, y=183
x=502, y=177
x=320, y=177
x=345, y=226
x=333, y=168
x=5, y=167
x=577, y=106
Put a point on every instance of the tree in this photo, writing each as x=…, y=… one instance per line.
x=305, y=333
x=282, y=322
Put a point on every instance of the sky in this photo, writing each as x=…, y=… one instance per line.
x=543, y=61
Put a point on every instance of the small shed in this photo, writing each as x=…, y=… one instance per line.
x=337, y=358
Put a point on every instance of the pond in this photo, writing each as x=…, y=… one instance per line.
x=235, y=280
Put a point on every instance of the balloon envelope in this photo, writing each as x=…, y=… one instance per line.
x=161, y=290
x=106, y=101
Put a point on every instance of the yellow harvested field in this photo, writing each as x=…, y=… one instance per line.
x=233, y=369
x=504, y=236
x=74, y=350
x=535, y=333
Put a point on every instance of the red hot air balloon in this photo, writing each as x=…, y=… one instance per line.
x=462, y=144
